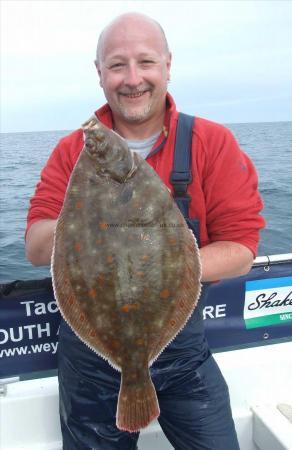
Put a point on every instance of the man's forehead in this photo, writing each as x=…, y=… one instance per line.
x=131, y=45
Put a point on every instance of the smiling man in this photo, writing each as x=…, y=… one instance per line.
x=133, y=63
x=134, y=69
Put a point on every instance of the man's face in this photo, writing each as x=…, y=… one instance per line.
x=134, y=70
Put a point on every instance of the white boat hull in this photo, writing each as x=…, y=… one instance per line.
x=259, y=379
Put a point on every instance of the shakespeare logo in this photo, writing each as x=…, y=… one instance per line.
x=268, y=302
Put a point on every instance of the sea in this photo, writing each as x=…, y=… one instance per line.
x=23, y=155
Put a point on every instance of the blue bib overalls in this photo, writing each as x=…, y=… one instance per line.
x=193, y=397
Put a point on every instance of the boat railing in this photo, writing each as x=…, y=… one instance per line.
x=266, y=261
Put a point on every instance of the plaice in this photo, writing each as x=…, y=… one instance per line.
x=125, y=267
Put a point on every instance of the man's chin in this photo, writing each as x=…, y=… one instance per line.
x=135, y=116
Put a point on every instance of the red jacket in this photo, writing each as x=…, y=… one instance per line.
x=224, y=191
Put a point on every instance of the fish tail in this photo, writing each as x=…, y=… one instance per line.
x=137, y=406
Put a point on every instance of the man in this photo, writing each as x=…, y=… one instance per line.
x=133, y=63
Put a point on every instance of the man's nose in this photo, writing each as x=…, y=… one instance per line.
x=133, y=75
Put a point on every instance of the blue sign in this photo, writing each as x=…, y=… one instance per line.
x=242, y=311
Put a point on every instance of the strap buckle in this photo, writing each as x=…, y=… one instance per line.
x=180, y=181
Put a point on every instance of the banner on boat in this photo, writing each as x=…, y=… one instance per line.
x=238, y=312
x=29, y=324
x=268, y=302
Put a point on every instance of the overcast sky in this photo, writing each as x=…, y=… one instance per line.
x=232, y=60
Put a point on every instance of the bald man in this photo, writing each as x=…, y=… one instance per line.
x=133, y=63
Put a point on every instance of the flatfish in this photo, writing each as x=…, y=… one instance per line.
x=125, y=267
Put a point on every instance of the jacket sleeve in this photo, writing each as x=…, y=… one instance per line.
x=49, y=194
x=233, y=202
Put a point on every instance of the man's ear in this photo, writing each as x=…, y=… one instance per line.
x=168, y=64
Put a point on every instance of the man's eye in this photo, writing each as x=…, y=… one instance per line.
x=116, y=66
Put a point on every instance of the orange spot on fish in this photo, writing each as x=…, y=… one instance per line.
x=98, y=241
x=92, y=293
x=182, y=304
x=109, y=259
x=79, y=205
x=71, y=301
x=164, y=293
x=172, y=323
x=126, y=308
x=81, y=317
x=129, y=307
x=114, y=344
x=77, y=247
x=145, y=258
x=100, y=278
x=140, y=274
x=172, y=241
x=103, y=225
x=140, y=341
x=93, y=333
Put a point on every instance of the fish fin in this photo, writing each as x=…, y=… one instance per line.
x=137, y=406
x=186, y=300
x=68, y=304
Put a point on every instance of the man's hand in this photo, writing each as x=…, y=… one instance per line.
x=225, y=259
x=39, y=242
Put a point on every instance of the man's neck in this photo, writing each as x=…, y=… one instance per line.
x=139, y=130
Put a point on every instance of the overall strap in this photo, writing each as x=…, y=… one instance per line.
x=181, y=174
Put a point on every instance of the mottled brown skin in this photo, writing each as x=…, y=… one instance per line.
x=126, y=268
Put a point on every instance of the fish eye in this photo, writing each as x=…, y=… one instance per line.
x=90, y=144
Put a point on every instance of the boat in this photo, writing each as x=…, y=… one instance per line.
x=249, y=328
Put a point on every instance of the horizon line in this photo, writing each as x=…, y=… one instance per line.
x=73, y=129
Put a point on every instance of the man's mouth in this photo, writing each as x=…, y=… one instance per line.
x=133, y=94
